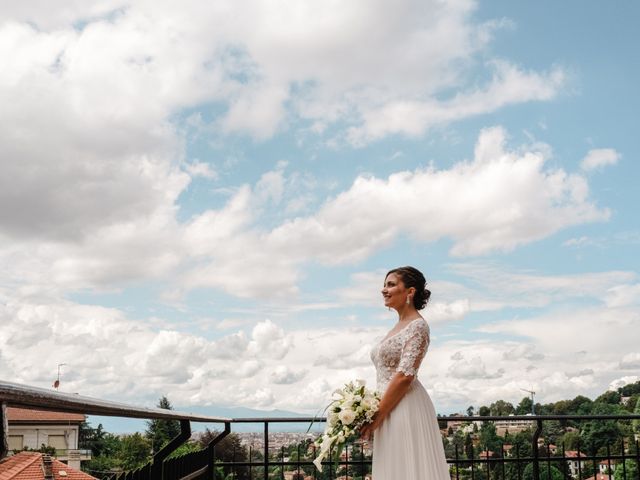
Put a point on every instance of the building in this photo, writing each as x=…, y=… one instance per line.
x=37, y=466
x=33, y=428
x=607, y=466
x=512, y=426
x=574, y=461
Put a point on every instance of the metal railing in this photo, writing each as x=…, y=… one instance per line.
x=532, y=459
x=23, y=396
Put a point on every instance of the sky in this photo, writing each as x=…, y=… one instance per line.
x=202, y=200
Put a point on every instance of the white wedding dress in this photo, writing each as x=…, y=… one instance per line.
x=408, y=444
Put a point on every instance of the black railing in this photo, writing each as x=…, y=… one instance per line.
x=482, y=456
x=530, y=460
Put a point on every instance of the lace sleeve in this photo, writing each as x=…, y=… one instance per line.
x=414, y=349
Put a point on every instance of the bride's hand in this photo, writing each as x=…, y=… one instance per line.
x=367, y=431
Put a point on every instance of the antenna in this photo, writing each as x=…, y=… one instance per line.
x=532, y=393
x=56, y=384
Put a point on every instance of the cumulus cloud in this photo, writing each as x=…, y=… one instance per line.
x=472, y=368
x=284, y=375
x=599, y=158
x=630, y=361
x=414, y=117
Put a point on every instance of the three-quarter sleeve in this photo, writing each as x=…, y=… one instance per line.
x=414, y=348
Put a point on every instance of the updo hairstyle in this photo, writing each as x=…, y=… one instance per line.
x=412, y=277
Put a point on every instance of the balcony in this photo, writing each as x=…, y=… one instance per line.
x=529, y=457
x=73, y=455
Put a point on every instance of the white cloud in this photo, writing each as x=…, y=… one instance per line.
x=414, y=117
x=283, y=374
x=622, y=381
x=504, y=287
x=623, y=295
x=599, y=158
x=630, y=361
x=473, y=368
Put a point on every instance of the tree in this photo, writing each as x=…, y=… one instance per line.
x=470, y=411
x=524, y=406
x=134, y=452
x=489, y=439
x=636, y=423
x=580, y=405
x=546, y=472
x=630, y=471
x=597, y=434
x=484, y=411
x=98, y=440
x=501, y=408
x=160, y=432
x=468, y=446
x=630, y=389
x=229, y=449
x=610, y=397
x=570, y=440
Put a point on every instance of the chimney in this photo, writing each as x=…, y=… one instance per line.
x=47, y=467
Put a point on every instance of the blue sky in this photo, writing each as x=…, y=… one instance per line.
x=202, y=202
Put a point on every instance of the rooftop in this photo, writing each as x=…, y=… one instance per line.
x=24, y=415
x=30, y=466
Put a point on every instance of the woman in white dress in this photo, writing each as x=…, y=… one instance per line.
x=407, y=444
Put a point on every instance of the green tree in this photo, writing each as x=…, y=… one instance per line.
x=630, y=471
x=501, y=408
x=570, y=440
x=229, y=449
x=97, y=466
x=610, y=397
x=546, y=472
x=134, y=452
x=524, y=406
x=597, y=434
x=580, y=405
x=470, y=411
x=489, y=439
x=484, y=411
x=160, y=432
x=468, y=446
x=635, y=424
x=630, y=389
x=185, y=448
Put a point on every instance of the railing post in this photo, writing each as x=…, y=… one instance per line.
x=211, y=457
x=534, y=446
x=158, y=459
x=266, y=450
x=4, y=431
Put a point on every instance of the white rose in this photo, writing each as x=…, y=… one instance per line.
x=347, y=416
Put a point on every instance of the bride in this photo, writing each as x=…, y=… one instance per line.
x=407, y=443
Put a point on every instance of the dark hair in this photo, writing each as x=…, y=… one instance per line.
x=412, y=277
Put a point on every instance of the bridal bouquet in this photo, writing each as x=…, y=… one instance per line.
x=350, y=409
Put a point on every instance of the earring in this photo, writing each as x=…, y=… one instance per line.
x=408, y=299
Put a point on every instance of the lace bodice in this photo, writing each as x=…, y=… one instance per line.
x=402, y=352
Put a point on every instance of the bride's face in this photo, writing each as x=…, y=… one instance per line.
x=394, y=292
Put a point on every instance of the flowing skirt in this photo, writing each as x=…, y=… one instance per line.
x=408, y=444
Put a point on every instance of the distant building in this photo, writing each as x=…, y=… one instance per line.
x=34, y=428
x=37, y=466
x=512, y=426
x=607, y=465
x=575, y=462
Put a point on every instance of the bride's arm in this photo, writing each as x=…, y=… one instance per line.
x=398, y=387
